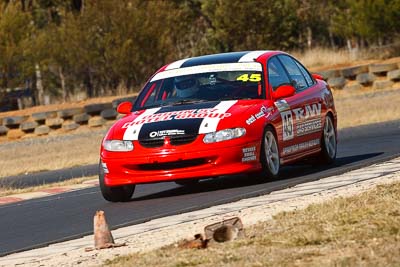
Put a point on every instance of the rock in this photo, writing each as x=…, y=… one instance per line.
x=96, y=121
x=382, y=68
x=15, y=134
x=40, y=117
x=42, y=130
x=351, y=72
x=365, y=78
x=81, y=118
x=14, y=121
x=382, y=84
x=394, y=75
x=54, y=123
x=70, y=125
x=354, y=86
x=3, y=130
x=95, y=109
x=28, y=126
x=337, y=83
x=69, y=113
x=109, y=114
x=131, y=99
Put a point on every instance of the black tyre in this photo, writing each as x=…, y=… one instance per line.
x=115, y=193
x=328, y=142
x=270, y=160
x=187, y=182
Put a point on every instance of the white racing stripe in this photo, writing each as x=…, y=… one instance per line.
x=209, y=125
x=249, y=57
x=176, y=64
x=241, y=66
x=132, y=132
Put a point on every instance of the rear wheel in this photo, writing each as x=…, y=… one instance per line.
x=270, y=154
x=115, y=193
x=328, y=142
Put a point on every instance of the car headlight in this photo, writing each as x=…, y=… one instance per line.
x=224, y=135
x=118, y=145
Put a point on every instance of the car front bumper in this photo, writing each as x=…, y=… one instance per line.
x=169, y=165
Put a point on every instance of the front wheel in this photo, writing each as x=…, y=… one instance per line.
x=115, y=193
x=328, y=142
x=270, y=154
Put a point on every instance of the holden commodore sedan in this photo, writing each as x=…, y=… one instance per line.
x=221, y=114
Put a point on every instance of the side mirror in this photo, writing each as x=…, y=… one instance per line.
x=283, y=91
x=318, y=76
x=124, y=107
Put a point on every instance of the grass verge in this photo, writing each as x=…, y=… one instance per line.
x=362, y=230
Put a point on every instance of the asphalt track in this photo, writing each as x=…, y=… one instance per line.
x=38, y=222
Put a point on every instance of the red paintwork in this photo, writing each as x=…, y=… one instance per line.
x=222, y=158
x=283, y=91
x=124, y=108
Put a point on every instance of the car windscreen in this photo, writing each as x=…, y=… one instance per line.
x=230, y=81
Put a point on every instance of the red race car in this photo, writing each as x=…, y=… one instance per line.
x=222, y=114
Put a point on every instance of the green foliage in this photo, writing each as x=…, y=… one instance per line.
x=100, y=45
x=15, y=30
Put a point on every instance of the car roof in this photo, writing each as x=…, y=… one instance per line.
x=232, y=57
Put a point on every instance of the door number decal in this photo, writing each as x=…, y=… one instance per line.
x=287, y=123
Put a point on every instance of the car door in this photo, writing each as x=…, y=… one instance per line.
x=299, y=114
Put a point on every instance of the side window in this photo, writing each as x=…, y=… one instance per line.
x=276, y=74
x=295, y=74
x=305, y=73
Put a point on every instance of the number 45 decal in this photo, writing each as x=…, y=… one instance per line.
x=255, y=77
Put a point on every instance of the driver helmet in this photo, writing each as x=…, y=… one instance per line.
x=186, y=86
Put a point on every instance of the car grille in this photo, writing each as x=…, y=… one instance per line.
x=172, y=165
x=175, y=140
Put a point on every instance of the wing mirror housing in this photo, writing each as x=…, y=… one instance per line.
x=124, y=107
x=283, y=91
x=317, y=76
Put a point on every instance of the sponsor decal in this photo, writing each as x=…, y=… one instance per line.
x=282, y=105
x=310, y=126
x=300, y=147
x=178, y=115
x=305, y=121
x=307, y=112
x=264, y=112
x=287, y=124
x=249, y=154
x=166, y=133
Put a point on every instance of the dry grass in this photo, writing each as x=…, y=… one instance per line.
x=319, y=57
x=363, y=230
x=11, y=191
x=41, y=154
x=367, y=106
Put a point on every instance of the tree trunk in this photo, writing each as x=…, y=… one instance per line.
x=62, y=81
x=352, y=45
x=89, y=84
x=309, y=37
x=39, y=84
x=331, y=40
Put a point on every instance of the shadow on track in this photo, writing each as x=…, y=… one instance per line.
x=234, y=181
